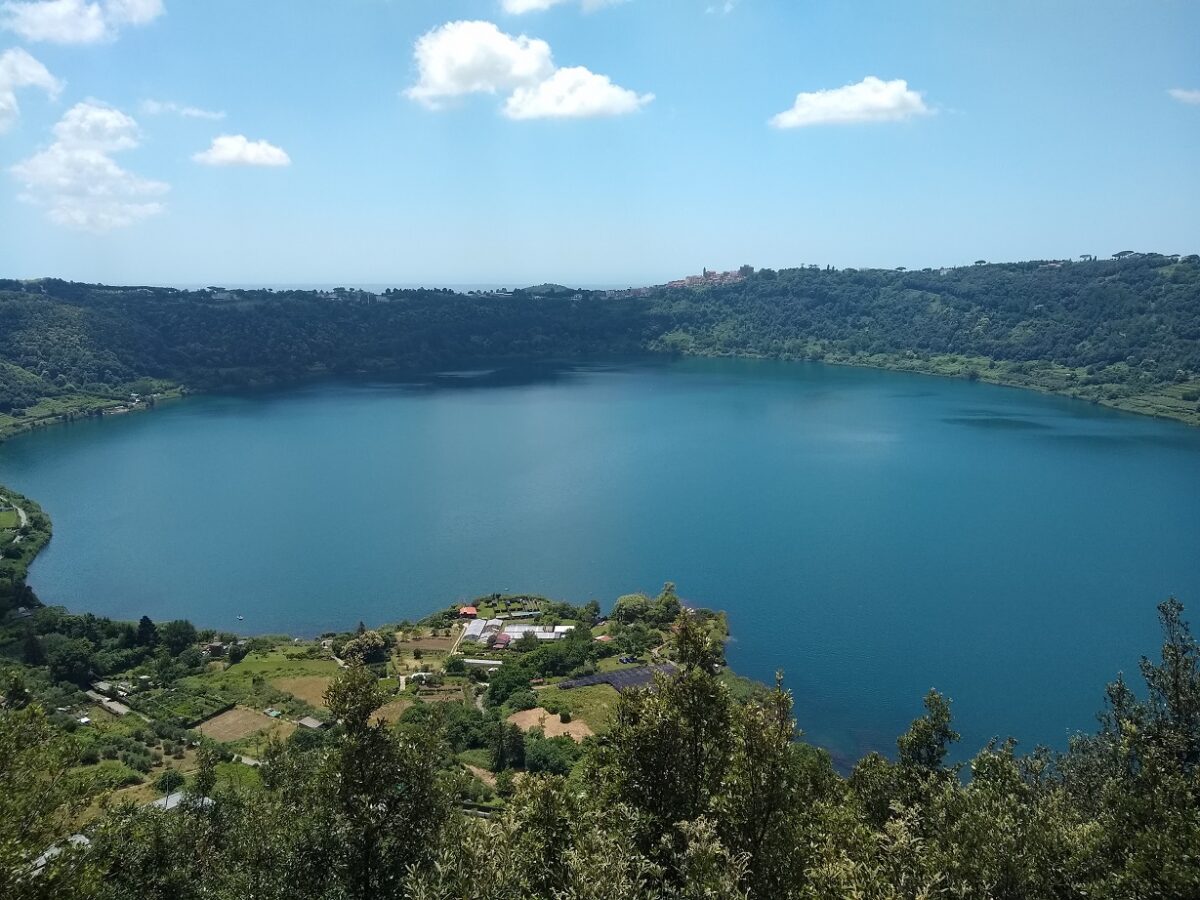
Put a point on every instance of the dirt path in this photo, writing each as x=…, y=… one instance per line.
x=482, y=774
x=24, y=519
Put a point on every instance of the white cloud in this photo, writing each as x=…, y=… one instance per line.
x=722, y=9
x=76, y=180
x=573, y=93
x=520, y=7
x=871, y=100
x=1185, y=95
x=462, y=58
x=20, y=70
x=237, y=150
x=476, y=57
x=170, y=108
x=75, y=21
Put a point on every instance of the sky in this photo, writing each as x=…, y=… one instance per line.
x=588, y=142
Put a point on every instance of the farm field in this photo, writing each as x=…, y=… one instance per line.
x=236, y=724
x=309, y=688
x=550, y=724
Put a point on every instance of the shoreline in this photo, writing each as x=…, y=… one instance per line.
x=1167, y=403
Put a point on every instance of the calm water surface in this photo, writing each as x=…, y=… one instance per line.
x=873, y=534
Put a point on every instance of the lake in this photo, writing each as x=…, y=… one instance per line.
x=873, y=534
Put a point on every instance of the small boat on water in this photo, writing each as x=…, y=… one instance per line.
x=241, y=618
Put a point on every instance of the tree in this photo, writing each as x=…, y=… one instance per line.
x=147, y=632
x=37, y=802
x=367, y=647
x=169, y=781
x=70, y=660
x=508, y=747
x=177, y=636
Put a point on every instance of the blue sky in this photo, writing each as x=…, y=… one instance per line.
x=589, y=142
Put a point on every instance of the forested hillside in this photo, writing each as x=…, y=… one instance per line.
x=1125, y=332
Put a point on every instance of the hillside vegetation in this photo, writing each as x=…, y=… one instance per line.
x=1124, y=332
x=694, y=790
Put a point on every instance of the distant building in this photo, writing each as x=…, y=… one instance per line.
x=474, y=631
x=501, y=641
x=468, y=612
x=541, y=632
x=310, y=722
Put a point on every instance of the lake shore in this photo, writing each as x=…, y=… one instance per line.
x=1171, y=402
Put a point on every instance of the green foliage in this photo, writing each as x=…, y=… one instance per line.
x=177, y=636
x=37, y=800
x=367, y=647
x=1115, y=331
x=700, y=788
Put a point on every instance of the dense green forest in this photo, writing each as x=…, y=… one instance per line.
x=1124, y=332
x=696, y=791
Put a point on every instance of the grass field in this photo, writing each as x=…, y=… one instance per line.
x=391, y=712
x=8, y=519
x=595, y=704
x=309, y=688
x=235, y=724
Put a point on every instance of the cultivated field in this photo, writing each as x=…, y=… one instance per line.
x=309, y=688
x=428, y=644
x=550, y=724
x=235, y=724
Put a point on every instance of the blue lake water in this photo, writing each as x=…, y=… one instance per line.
x=873, y=534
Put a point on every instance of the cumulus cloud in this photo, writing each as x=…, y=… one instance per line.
x=1185, y=95
x=170, y=108
x=75, y=21
x=871, y=100
x=237, y=150
x=520, y=7
x=76, y=179
x=461, y=58
x=573, y=93
x=475, y=57
x=20, y=70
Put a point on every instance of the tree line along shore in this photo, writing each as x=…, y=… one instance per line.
x=1122, y=332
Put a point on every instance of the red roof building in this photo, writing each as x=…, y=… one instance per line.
x=502, y=641
x=468, y=612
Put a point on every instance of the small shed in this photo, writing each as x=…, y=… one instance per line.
x=310, y=722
